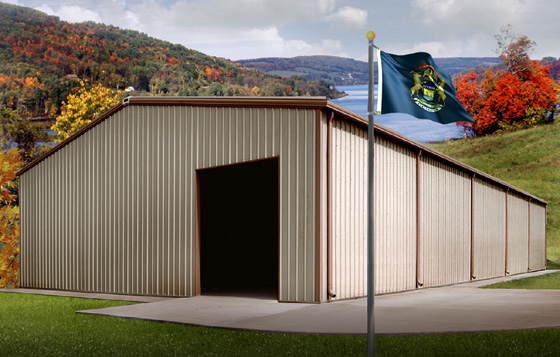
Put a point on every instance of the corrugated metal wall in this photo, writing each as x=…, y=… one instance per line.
x=395, y=220
x=115, y=210
x=348, y=209
x=518, y=234
x=537, y=236
x=445, y=224
x=395, y=217
x=455, y=224
x=489, y=230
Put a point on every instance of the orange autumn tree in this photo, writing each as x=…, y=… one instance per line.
x=519, y=96
x=10, y=161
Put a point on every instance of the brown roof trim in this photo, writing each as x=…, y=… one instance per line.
x=278, y=102
x=250, y=102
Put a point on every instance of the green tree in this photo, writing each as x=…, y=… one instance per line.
x=23, y=133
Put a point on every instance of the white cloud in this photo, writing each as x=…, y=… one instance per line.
x=302, y=48
x=468, y=46
x=71, y=13
x=473, y=14
x=467, y=28
x=264, y=42
x=455, y=17
x=132, y=21
x=348, y=17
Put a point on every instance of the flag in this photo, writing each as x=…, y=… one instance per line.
x=413, y=84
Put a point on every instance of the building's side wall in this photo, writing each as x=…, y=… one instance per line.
x=445, y=224
x=115, y=210
x=435, y=224
x=489, y=230
x=518, y=234
x=537, y=236
x=395, y=219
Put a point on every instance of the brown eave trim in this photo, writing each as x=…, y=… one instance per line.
x=251, y=102
x=426, y=150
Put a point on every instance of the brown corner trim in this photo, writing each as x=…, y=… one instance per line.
x=318, y=204
x=419, y=283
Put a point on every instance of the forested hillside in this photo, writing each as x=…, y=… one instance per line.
x=42, y=58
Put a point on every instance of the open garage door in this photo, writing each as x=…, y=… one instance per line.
x=239, y=229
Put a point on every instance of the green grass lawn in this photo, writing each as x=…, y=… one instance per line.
x=36, y=325
x=528, y=159
x=548, y=281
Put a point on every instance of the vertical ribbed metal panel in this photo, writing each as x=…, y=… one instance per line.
x=537, y=237
x=518, y=234
x=297, y=204
x=489, y=235
x=115, y=210
x=395, y=220
x=395, y=217
x=348, y=200
x=445, y=224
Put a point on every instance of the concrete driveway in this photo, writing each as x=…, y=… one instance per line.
x=458, y=308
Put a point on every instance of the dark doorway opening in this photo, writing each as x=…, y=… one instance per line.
x=239, y=229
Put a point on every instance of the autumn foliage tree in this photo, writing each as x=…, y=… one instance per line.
x=10, y=161
x=82, y=107
x=520, y=95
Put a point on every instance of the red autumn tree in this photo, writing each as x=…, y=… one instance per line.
x=521, y=95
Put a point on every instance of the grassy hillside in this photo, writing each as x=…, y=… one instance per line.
x=528, y=159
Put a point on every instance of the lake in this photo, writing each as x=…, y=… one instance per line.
x=422, y=130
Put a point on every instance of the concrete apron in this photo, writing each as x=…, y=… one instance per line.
x=451, y=309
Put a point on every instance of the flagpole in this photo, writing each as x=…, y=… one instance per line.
x=370, y=207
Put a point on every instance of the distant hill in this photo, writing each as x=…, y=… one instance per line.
x=42, y=58
x=347, y=71
x=455, y=65
x=337, y=70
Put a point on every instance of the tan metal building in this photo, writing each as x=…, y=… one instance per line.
x=186, y=196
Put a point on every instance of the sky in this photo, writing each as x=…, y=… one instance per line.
x=245, y=29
